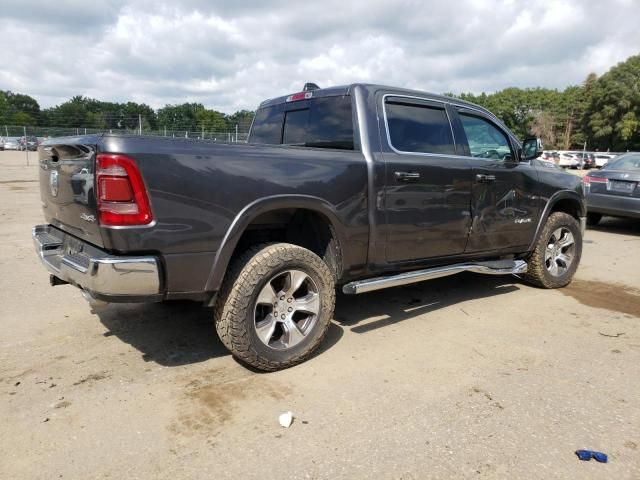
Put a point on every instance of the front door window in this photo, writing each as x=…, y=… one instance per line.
x=485, y=140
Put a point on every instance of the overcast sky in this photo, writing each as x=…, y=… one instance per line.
x=230, y=55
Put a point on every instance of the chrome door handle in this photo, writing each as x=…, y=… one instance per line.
x=406, y=176
x=481, y=178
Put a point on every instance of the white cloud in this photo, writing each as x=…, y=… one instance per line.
x=231, y=55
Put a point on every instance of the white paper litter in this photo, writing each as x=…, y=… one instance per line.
x=286, y=419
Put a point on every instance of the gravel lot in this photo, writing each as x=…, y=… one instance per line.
x=462, y=377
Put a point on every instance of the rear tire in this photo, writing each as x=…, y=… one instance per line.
x=557, y=252
x=593, y=219
x=262, y=318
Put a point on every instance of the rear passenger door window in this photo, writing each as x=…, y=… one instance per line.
x=485, y=139
x=415, y=127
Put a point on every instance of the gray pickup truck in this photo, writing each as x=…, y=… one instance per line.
x=361, y=186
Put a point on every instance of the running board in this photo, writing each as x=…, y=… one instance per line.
x=498, y=267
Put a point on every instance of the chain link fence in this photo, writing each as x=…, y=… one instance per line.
x=21, y=138
x=9, y=133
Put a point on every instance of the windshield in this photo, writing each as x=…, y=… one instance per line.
x=628, y=161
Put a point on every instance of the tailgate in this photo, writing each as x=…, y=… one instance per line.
x=67, y=167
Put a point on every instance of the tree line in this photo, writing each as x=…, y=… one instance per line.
x=603, y=111
x=81, y=112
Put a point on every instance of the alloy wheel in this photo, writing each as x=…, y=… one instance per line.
x=560, y=252
x=286, y=309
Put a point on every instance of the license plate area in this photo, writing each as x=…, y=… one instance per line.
x=621, y=186
x=72, y=246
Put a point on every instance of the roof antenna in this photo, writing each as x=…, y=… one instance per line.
x=309, y=87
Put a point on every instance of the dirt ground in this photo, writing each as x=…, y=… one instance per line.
x=463, y=377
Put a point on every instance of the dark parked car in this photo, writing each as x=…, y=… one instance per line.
x=362, y=186
x=614, y=190
x=29, y=143
x=588, y=160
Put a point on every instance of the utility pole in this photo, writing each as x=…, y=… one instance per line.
x=6, y=131
x=165, y=130
x=202, y=138
x=26, y=146
x=139, y=124
x=236, y=133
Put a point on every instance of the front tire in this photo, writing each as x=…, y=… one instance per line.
x=557, y=252
x=275, y=306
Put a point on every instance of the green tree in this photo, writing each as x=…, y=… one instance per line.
x=22, y=119
x=242, y=118
x=210, y=120
x=4, y=108
x=179, y=117
x=18, y=109
x=614, y=107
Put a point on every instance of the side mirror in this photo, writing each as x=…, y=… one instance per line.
x=531, y=148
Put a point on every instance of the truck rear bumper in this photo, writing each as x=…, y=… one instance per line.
x=103, y=276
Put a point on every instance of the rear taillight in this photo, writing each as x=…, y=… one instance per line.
x=122, y=197
x=588, y=180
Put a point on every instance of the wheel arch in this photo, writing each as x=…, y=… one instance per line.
x=272, y=205
x=567, y=201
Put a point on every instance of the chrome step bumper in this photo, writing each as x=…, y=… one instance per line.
x=94, y=270
x=498, y=267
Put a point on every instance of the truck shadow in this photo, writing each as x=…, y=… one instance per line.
x=171, y=334
x=395, y=305
x=175, y=333
x=182, y=333
x=628, y=226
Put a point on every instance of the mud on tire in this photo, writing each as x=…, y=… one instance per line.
x=238, y=311
x=549, y=250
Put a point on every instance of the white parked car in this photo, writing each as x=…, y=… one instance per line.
x=602, y=159
x=546, y=156
x=568, y=160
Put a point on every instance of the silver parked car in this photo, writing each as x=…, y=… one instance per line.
x=11, y=143
x=615, y=189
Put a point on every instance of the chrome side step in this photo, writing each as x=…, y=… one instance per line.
x=498, y=267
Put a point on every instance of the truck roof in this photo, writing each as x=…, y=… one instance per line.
x=346, y=90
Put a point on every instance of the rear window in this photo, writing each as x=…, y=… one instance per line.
x=324, y=122
x=628, y=161
x=418, y=128
x=267, y=125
